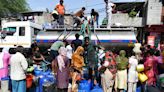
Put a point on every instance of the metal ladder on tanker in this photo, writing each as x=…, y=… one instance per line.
x=85, y=31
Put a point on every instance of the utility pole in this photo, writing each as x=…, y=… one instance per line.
x=105, y=1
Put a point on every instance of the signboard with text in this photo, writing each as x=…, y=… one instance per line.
x=151, y=41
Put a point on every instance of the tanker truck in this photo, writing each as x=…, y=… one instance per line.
x=24, y=33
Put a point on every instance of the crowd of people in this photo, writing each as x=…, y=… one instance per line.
x=113, y=71
x=82, y=60
x=79, y=60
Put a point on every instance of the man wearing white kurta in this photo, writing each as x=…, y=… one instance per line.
x=18, y=66
x=132, y=74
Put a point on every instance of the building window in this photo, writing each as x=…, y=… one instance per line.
x=22, y=31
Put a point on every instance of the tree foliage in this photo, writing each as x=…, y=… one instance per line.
x=12, y=7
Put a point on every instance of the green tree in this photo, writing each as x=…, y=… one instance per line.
x=11, y=7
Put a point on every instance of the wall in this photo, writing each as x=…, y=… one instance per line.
x=125, y=20
x=45, y=18
x=154, y=10
x=68, y=20
x=162, y=17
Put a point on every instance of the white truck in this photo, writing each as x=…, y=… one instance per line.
x=18, y=33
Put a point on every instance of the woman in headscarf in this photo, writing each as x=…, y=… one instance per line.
x=77, y=59
x=77, y=64
x=110, y=70
x=61, y=68
x=121, y=77
x=150, y=69
x=4, y=62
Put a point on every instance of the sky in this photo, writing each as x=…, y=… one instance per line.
x=69, y=4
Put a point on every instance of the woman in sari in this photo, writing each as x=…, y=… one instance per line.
x=60, y=66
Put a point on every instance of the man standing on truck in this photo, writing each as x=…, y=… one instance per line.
x=61, y=11
x=95, y=16
x=78, y=17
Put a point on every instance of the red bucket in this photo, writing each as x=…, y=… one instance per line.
x=29, y=80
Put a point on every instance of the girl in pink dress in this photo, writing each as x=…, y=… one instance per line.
x=4, y=62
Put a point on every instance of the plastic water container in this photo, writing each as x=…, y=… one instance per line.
x=84, y=86
x=138, y=89
x=140, y=68
x=51, y=78
x=29, y=80
x=97, y=89
x=42, y=80
x=5, y=84
x=37, y=72
x=85, y=73
x=45, y=73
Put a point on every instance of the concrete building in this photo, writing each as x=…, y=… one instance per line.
x=68, y=20
x=126, y=21
x=39, y=17
x=148, y=23
x=9, y=19
x=151, y=13
x=154, y=12
x=155, y=21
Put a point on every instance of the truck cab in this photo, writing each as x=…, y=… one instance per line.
x=18, y=33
